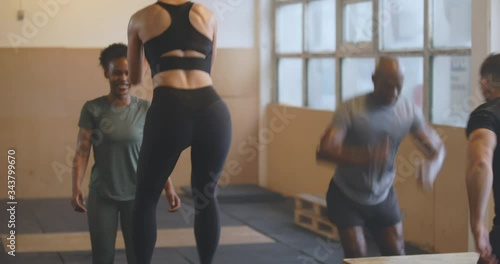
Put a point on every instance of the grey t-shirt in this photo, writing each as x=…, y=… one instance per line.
x=366, y=125
x=116, y=139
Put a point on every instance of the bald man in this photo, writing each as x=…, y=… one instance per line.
x=362, y=140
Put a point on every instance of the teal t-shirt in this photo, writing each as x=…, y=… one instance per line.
x=116, y=139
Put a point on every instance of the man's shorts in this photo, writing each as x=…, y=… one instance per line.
x=345, y=213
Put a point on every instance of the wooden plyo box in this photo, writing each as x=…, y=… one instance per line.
x=310, y=213
x=450, y=258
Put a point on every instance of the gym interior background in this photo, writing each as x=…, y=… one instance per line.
x=282, y=66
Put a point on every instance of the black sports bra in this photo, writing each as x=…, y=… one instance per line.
x=180, y=35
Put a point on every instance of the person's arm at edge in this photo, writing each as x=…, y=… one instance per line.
x=214, y=44
x=135, y=52
x=172, y=197
x=424, y=143
x=80, y=162
x=479, y=175
x=422, y=134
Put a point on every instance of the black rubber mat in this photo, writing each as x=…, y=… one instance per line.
x=274, y=219
x=25, y=220
x=24, y=258
x=241, y=193
x=56, y=215
x=161, y=256
x=252, y=254
x=184, y=217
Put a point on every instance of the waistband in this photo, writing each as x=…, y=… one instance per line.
x=183, y=89
x=207, y=92
x=197, y=98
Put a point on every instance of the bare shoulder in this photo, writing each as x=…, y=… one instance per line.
x=144, y=17
x=136, y=18
x=204, y=13
x=201, y=9
x=145, y=12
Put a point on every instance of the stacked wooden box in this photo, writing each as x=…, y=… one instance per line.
x=310, y=213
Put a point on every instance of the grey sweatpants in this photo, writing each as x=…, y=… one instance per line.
x=103, y=215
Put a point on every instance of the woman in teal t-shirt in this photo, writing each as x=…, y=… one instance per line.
x=113, y=125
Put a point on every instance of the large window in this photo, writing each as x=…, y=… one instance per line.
x=326, y=51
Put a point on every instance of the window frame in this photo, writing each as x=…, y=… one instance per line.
x=361, y=49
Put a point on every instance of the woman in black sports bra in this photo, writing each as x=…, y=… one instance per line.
x=178, y=39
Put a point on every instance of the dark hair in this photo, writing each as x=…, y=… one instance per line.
x=491, y=68
x=112, y=52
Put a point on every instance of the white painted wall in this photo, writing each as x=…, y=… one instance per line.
x=495, y=25
x=97, y=23
x=236, y=22
x=265, y=44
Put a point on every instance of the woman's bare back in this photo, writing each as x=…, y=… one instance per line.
x=153, y=20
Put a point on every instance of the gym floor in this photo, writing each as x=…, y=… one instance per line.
x=267, y=234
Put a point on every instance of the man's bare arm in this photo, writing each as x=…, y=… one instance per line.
x=331, y=149
x=425, y=144
x=479, y=174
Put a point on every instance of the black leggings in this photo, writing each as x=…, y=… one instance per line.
x=176, y=120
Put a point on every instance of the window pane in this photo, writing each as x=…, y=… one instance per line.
x=401, y=24
x=320, y=25
x=357, y=76
x=290, y=81
x=413, y=69
x=289, y=28
x=358, y=22
x=452, y=23
x=321, y=84
x=450, y=90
